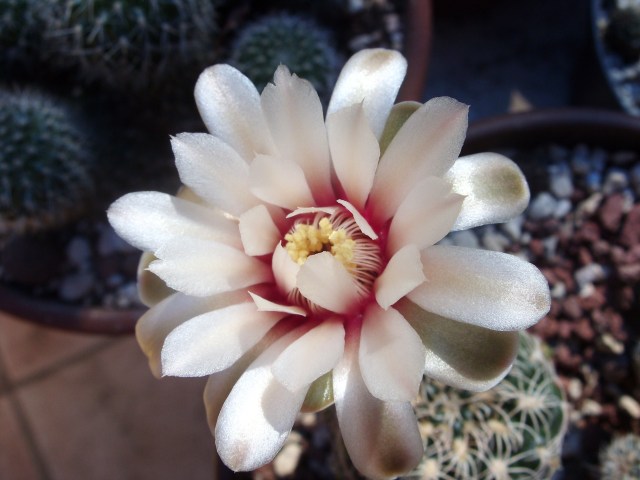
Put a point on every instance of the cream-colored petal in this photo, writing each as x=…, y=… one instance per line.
x=151, y=289
x=494, y=186
x=294, y=116
x=258, y=231
x=427, y=145
x=285, y=270
x=391, y=355
x=459, y=354
x=382, y=438
x=265, y=305
x=219, y=384
x=280, y=182
x=360, y=220
x=154, y=326
x=323, y=280
x=425, y=216
x=355, y=152
x=201, y=268
x=371, y=77
x=312, y=355
x=402, y=274
x=258, y=414
x=489, y=289
x=306, y=210
x=229, y=105
x=320, y=394
x=214, y=171
x=147, y=220
x=398, y=115
x=214, y=340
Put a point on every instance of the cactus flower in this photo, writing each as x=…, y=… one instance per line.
x=300, y=263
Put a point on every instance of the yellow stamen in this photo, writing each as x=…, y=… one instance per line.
x=306, y=240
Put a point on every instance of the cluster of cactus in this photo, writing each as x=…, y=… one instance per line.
x=21, y=26
x=621, y=459
x=623, y=32
x=513, y=431
x=132, y=43
x=287, y=39
x=45, y=166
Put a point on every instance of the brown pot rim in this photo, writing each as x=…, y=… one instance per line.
x=604, y=128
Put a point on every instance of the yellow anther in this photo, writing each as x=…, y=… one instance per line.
x=306, y=240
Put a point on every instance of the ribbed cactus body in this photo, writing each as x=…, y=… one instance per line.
x=45, y=166
x=513, y=431
x=21, y=25
x=623, y=32
x=287, y=39
x=131, y=43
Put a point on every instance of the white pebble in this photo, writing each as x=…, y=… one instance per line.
x=464, y=238
x=79, y=252
x=287, y=460
x=543, y=206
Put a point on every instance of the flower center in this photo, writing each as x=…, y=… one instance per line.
x=308, y=239
x=340, y=235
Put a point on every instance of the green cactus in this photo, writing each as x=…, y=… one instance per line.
x=45, y=165
x=623, y=32
x=21, y=25
x=513, y=431
x=132, y=43
x=621, y=459
x=290, y=40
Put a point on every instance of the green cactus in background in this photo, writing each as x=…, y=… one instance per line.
x=45, y=166
x=290, y=40
x=621, y=459
x=513, y=431
x=132, y=43
x=623, y=32
x=21, y=25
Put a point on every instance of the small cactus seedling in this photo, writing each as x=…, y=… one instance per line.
x=290, y=40
x=513, y=431
x=45, y=166
x=621, y=459
x=132, y=43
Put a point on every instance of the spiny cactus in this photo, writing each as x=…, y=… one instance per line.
x=131, y=43
x=21, y=24
x=513, y=431
x=621, y=459
x=290, y=40
x=45, y=166
x=623, y=32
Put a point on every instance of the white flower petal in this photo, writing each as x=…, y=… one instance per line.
x=490, y=289
x=284, y=269
x=151, y=289
x=360, y=220
x=258, y=231
x=459, y=354
x=214, y=340
x=280, y=182
x=200, y=267
x=154, y=326
x=294, y=116
x=147, y=220
x=355, y=152
x=494, y=186
x=214, y=171
x=258, y=414
x=305, y=210
x=425, y=216
x=323, y=280
x=229, y=105
x=382, y=438
x=371, y=77
x=426, y=145
x=265, y=305
x=312, y=355
x=391, y=355
x=402, y=274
